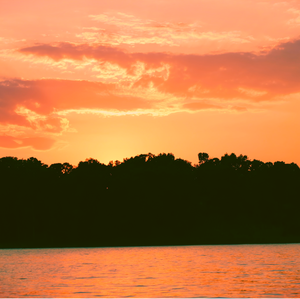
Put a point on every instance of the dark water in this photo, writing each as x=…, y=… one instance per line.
x=190, y=271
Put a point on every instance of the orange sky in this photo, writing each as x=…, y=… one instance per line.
x=112, y=79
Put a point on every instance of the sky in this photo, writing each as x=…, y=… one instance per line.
x=111, y=79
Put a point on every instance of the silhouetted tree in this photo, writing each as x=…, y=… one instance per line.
x=203, y=157
x=148, y=200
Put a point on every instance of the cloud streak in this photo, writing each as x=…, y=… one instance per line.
x=28, y=102
x=253, y=76
x=157, y=83
x=37, y=143
x=133, y=30
x=36, y=108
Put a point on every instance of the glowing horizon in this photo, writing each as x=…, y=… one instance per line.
x=115, y=79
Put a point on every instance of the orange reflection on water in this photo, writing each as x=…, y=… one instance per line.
x=189, y=271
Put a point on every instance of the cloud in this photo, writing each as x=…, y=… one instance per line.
x=294, y=21
x=200, y=106
x=33, y=112
x=64, y=50
x=37, y=143
x=35, y=103
x=252, y=92
x=252, y=76
x=163, y=83
x=132, y=30
x=145, y=83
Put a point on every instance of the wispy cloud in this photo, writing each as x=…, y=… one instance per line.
x=252, y=76
x=35, y=112
x=37, y=143
x=128, y=29
x=296, y=19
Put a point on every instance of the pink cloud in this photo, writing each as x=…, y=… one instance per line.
x=200, y=106
x=29, y=107
x=132, y=30
x=40, y=99
x=78, y=52
x=38, y=143
x=267, y=74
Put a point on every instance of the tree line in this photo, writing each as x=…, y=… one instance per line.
x=148, y=200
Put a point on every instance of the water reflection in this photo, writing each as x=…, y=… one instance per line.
x=190, y=271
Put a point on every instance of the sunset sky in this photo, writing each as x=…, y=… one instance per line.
x=111, y=79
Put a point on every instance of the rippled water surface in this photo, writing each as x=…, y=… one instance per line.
x=188, y=271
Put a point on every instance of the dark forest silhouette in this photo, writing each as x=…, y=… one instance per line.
x=148, y=200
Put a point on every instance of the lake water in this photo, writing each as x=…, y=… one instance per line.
x=183, y=271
